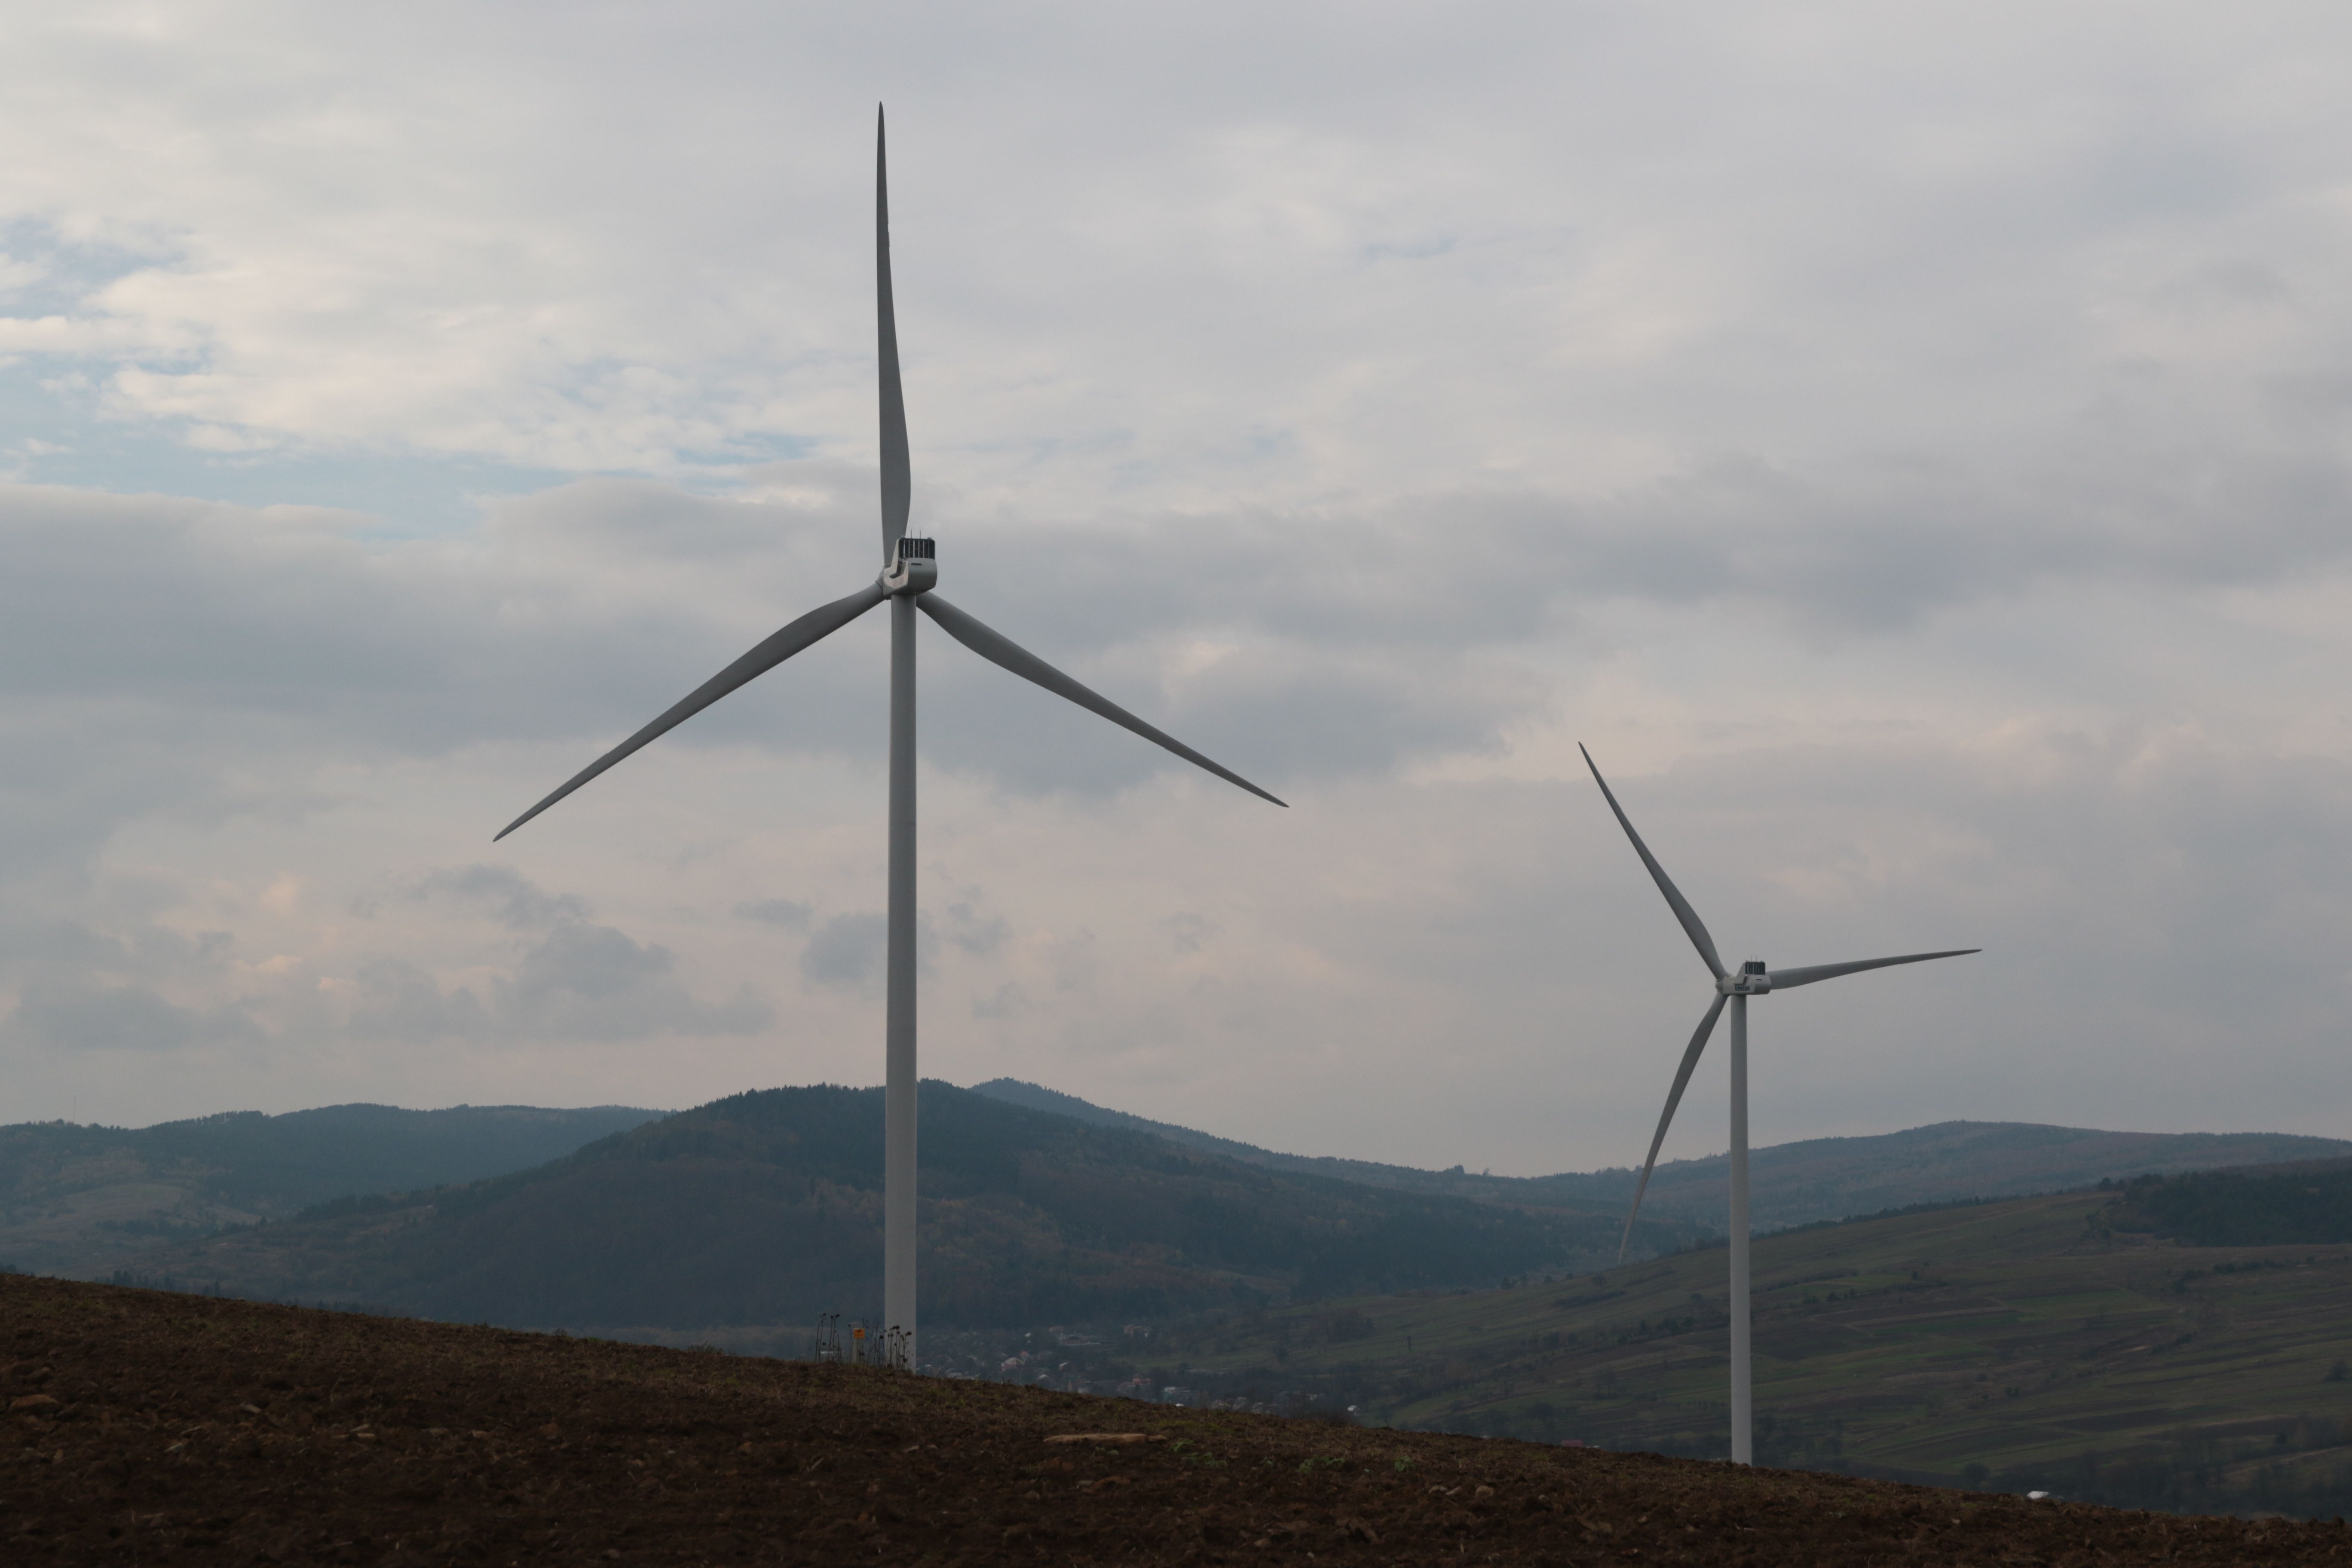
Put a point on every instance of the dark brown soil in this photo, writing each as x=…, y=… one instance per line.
x=152, y=1427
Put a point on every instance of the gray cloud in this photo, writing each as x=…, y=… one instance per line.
x=514, y=900
x=588, y=982
x=580, y=983
x=1909, y=447
x=571, y=980
x=962, y=925
x=400, y=1002
x=80, y=989
x=850, y=951
x=124, y=1018
x=577, y=983
x=784, y=913
x=574, y=979
x=1357, y=643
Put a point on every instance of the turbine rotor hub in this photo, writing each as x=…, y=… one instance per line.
x=914, y=568
x=1752, y=980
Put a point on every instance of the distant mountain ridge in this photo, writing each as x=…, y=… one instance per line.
x=1792, y=1184
x=765, y=1207
x=762, y=1209
x=76, y=1199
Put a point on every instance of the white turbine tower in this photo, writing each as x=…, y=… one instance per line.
x=909, y=568
x=1753, y=979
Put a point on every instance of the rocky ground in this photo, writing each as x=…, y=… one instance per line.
x=150, y=1427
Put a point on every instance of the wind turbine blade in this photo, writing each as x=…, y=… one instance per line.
x=1691, y=925
x=1673, y=1098
x=814, y=626
x=897, y=475
x=997, y=649
x=1783, y=979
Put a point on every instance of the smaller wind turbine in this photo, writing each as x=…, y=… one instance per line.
x=1753, y=979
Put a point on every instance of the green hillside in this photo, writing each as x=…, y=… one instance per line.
x=1791, y=1183
x=2021, y=1344
x=76, y=1199
x=765, y=1208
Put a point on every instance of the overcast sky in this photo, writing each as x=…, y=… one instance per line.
x=1911, y=445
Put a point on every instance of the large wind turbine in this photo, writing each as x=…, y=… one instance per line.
x=1753, y=979
x=909, y=568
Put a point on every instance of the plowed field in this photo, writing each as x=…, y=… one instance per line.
x=150, y=1427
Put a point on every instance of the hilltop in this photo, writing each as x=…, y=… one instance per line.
x=1790, y=1183
x=82, y=1200
x=174, y=1427
x=765, y=1207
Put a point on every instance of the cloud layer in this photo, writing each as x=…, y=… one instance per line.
x=1911, y=448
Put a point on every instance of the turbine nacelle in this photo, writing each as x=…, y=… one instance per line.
x=915, y=568
x=1753, y=979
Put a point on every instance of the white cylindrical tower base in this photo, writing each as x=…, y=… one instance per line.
x=1743, y=1450
x=899, y=1028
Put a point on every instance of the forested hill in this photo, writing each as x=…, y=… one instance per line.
x=76, y=1199
x=2299, y=1205
x=766, y=1208
x=1794, y=1183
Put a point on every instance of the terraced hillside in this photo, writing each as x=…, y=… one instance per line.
x=2021, y=1344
